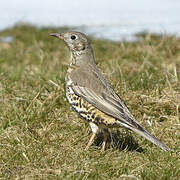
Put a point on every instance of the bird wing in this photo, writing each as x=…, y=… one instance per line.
x=108, y=105
x=117, y=109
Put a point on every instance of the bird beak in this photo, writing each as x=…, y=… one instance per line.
x=58, y=35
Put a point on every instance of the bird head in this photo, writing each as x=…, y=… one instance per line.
x=79, y=46
x=76, y=41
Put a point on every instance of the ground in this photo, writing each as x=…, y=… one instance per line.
x=42, y=138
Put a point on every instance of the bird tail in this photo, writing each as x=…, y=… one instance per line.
x=142, y=132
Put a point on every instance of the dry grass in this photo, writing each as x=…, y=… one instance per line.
x=41, y=138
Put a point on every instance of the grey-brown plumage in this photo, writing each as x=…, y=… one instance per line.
x=92, y=96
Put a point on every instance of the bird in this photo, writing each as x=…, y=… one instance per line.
x=92, y=96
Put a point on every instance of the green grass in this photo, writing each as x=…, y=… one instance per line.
x=41, y=138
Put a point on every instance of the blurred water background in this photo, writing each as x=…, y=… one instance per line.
x=109, y=19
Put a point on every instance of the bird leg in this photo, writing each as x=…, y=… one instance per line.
x=90, y=141
x=106, y=134
x=94, y=129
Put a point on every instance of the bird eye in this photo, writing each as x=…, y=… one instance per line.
x=73, y=37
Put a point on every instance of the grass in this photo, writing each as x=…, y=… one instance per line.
x=41, y=138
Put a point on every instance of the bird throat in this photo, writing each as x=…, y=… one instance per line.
x=75, y=56
x=81, y=57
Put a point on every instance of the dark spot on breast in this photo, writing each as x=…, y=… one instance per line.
x=80, y=103
x=97, y=118
x=82, y=112
x=87, y=107
x=93, y=115
x=83, y=48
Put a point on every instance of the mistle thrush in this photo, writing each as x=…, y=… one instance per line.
x=92, y=97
